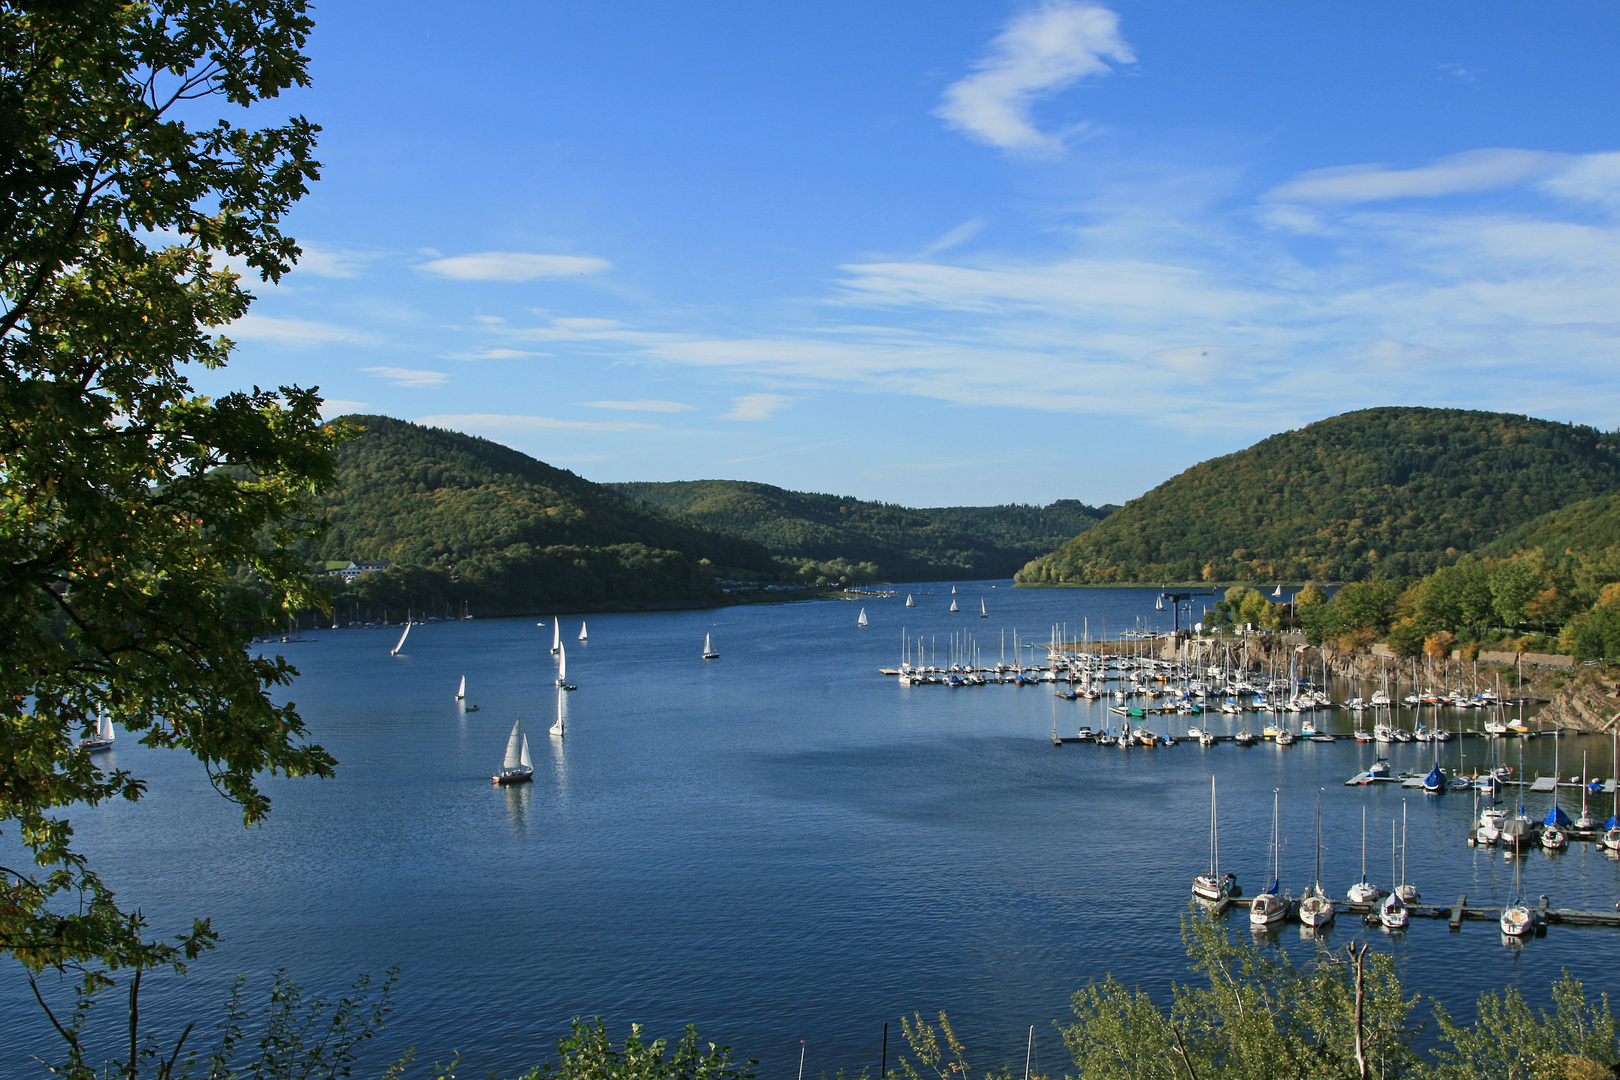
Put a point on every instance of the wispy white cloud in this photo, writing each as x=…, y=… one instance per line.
x=953, y=238
x=642, y=405
x=1591, y=178
x=513, y=266
x=754, y=408
x=331, y=407
x=1040, y=52
x=331, y=262
x=493, y=354
x=296, y=332
x=506, y=423
x=1473, y=170
x=407, y=377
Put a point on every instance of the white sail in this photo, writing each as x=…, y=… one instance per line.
x=983, y=614
x=909, y=601
x=556, y=636
x=708, y=649
x=953, y=590
x=861, y=619
x=514, y=755
x=953, y=606
x=582, y=631
x=462, y=692
x=562, y=664
x=523, y=755
x=557, y=728
x=104, y=726
x=402, y=636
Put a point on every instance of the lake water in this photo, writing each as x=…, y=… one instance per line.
x=777, y=845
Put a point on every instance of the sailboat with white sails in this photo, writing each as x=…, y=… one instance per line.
x=556, y=636
x=103, y=738
x=562, y=669
x=557, y=728
x=860, y=620
x=708, y=649
x=983, y=614
x=516, y=766
x=400, y=644
x=582, y=631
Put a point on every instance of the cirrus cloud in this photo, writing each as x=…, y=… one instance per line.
x=513, y=266
x=1039, y=53
x=407, y=377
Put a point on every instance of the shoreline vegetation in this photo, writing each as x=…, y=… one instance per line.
x=1246, y=1010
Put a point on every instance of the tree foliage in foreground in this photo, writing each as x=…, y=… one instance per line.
x=128, y=501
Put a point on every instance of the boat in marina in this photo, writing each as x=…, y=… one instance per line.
x=710, y=654
x=1316, y=907
x=516, y=767
x=1519, y=919
x=1363, y=891
x=104, y=736
x=1270, y=908
x=1392, y=913
x=1407, y=891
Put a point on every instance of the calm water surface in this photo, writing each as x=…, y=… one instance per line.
x=778, y=845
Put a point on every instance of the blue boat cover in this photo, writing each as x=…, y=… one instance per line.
x=1556, y=816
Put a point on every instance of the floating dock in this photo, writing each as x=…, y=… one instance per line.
x=1455, y=914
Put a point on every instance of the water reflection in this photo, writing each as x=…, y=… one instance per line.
x=518, y=797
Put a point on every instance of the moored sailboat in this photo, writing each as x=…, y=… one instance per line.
x=1270, y=908
x=1363, y=891
x=1392, y=913
x=1316, y=907
x=1213, y=887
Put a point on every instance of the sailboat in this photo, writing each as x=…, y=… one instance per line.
x=860, y=620
x=708, y=649
x=1316, y=908
x=582, y=631
x=909, y=601
x=1277, y=592
x=1363, y=891
x=103, y=738
x=1611, y=834
x=400, y=644
x=556, y=636
x=1555, y=826
x=1586, y=822
x=1214, y=886
x=953, y=604
x=562, y=670
x=461, y=691
x=557, y=728
x=953, y=590
x=515, y=766
x=1392, y=913
x=1519, y=919
x=983, y=614
x=1407, y=891
x=1270, y=907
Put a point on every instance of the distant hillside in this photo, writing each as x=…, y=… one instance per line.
x=1393, y=490
x=508, y=533
x=896, y=543
x=1587, y=527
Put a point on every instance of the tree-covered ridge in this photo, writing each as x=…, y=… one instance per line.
x=896, y=543
x=1392, y=491
x=467, y=519
x=1588, y=527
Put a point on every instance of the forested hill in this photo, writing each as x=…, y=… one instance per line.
x=1587, y=527
x=494, y=526
x=884, y=541
x=1396, y=491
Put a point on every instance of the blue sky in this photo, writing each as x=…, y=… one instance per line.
x=948, y=252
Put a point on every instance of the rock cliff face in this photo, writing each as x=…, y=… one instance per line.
x=1590, y=702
